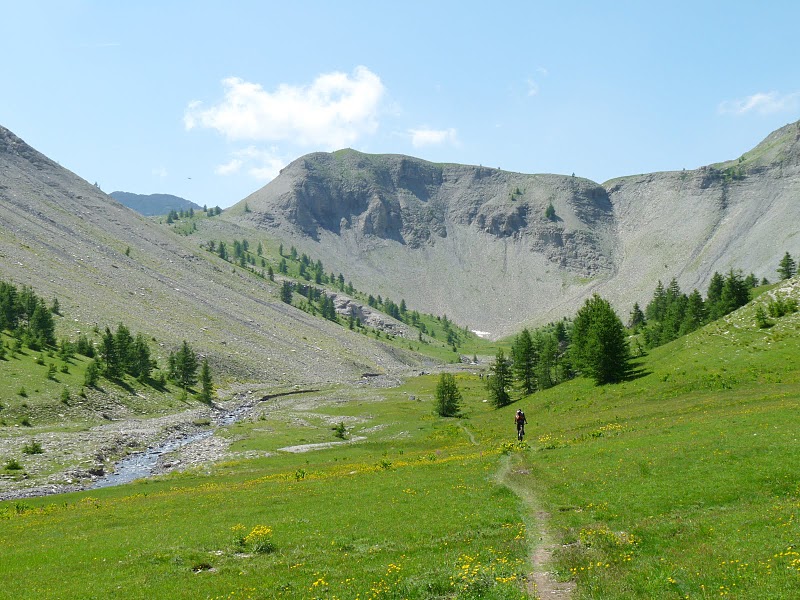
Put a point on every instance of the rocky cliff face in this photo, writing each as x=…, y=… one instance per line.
x=478, y=244
x=382, y=198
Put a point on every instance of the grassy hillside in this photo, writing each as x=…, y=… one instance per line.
x=682, y=482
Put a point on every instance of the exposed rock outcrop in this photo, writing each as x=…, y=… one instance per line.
x=495, y=250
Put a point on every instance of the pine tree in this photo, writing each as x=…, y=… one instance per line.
x=448, y=396
x=499, y=380
x=787, y=267
x=599, y=348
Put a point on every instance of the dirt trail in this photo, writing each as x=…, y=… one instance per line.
x=542, y=584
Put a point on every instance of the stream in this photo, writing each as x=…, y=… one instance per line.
x=142, y=464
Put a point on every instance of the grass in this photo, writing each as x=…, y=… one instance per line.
x=680, y=483
x=430, y=520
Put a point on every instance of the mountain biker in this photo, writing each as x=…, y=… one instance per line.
x=520, y=420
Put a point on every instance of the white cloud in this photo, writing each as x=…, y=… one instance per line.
x=763, y=103
x=160, y=172
x=431, y=137
x=263, y=165
x=230, y=167
x=334, y=111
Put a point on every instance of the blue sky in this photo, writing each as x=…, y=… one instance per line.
x=208, y=100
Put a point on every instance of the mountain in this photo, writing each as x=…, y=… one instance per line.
x=496, y=250
x=154, y=204
x=107, y=264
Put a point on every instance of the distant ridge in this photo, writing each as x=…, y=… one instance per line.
x=496, y=250
x=154, y=204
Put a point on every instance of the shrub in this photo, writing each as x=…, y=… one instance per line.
x=13, y=465
x=26, y=422
x=32, y=447
x=761, y=318
x=340, y=431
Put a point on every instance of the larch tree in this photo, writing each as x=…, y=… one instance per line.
x=206, y=383
x=787, y=267
x=499, y=380
x=599, y=345
x=524, y=354
x=448, y=396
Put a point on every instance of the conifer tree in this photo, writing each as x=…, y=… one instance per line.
x=714, y=304
x=546, y=367
x=108, y=353
x=735, y=293
x=183, y=364
x=91, y=375
x=123, y=346
x=84, y=346
x=140, y=363
x=448, y=396
x=599, y=348
x=525, y=359
x=787, y=267
x=695, y=315
x=286, y=291
x=41, y=328
x=499, y=380
x=637, y=318
x=206, y=383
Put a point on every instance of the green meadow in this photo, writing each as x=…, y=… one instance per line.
x=682, y=482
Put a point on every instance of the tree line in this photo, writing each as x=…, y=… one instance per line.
x=119, y=353
x=27, y=316
x=595, y=342
x=302, y=267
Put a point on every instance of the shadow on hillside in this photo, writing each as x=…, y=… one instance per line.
x=636, y=370
x=123, y=384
